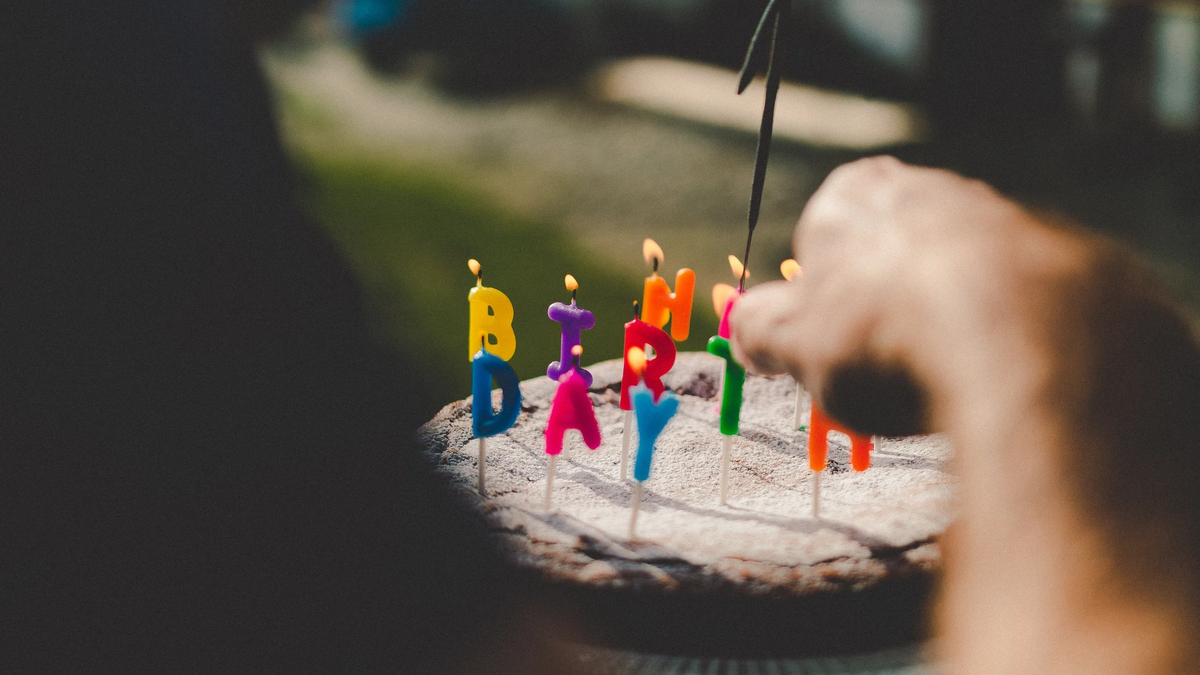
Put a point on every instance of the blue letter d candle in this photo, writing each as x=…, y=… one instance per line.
x=484, y=421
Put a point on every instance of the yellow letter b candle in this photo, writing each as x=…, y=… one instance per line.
x=491, y=320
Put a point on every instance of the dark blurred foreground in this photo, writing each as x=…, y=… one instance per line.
x=207, y=464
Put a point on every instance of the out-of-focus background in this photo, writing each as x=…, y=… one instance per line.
x=546, y=137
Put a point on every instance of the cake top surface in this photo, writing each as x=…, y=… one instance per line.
x=870, y=521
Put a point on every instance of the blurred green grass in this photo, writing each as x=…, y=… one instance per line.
x=409, y=233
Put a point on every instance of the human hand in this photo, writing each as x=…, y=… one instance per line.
x=917, y=284
x=1068, y=388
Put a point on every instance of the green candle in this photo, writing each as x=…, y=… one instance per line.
x=735, y=377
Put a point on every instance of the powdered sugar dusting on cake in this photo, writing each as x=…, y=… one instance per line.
x=873, y=523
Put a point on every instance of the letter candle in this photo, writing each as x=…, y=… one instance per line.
x=659, y=304
x=821, y=424
x=491, y=317
x=731, y=404
x=574, y=321
x=487, y=366
x=790, y=269
x=818, y=446
x=724, y=298
x=652, y=417
x=484, y=421
x=571, y=409
x=641, y=335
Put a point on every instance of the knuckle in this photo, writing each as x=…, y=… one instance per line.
x=850, y=179
x=873, y=168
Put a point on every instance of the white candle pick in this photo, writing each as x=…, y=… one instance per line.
x=550, y=482
x=726, y=445
x=625, y=445
x=637, y=505
x=482, y=464
x=816, y=499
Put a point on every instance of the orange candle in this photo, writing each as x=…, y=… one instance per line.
x=818, y=444
x=659, y=304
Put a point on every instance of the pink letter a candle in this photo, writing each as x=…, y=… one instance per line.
x=570, y=409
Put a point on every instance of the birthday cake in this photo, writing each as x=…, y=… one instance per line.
x=758, y=576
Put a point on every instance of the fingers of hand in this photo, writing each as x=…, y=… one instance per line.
x=816, y=320
x=764, y=324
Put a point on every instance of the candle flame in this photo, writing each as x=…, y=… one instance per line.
x=577, y=350
x=652, y=252
x=790, y=269
x=637, y=360
x=474, y=266
x=571, y=283
x=720, y=296
x=737, y=267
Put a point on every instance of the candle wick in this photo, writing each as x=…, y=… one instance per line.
x=573, y=291
x=656, y=265
x=637, y=311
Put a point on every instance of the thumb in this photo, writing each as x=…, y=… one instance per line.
x=764, y=330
